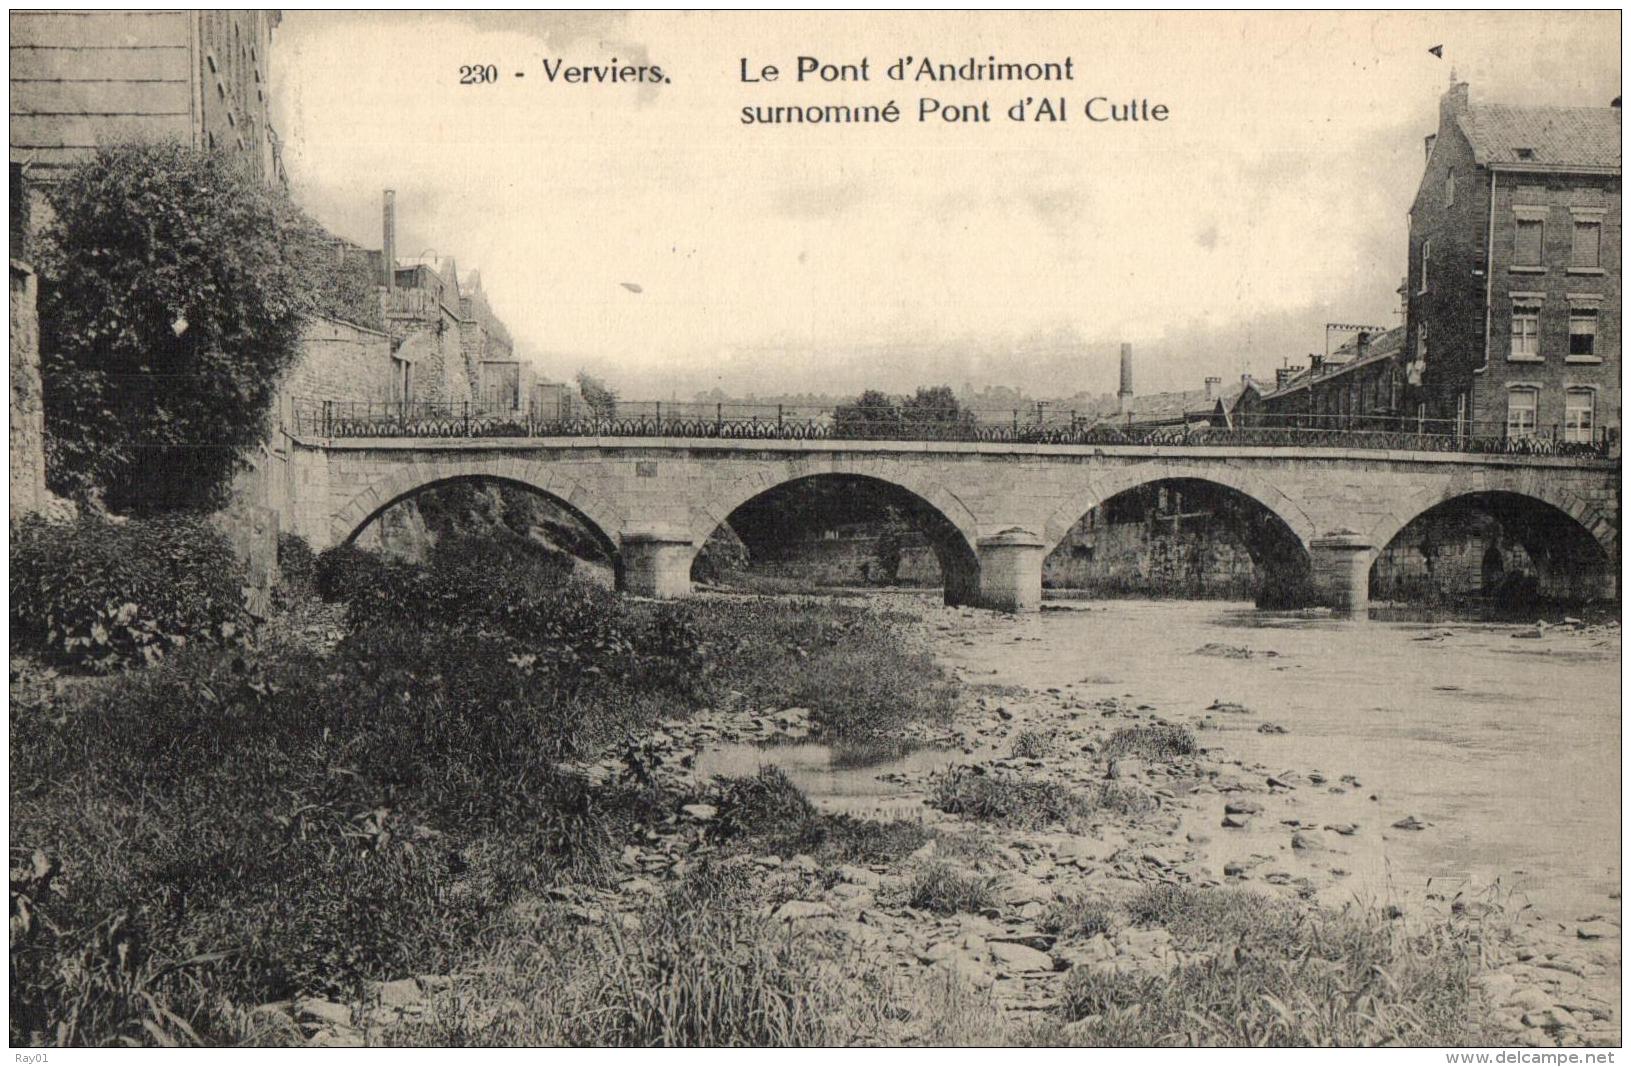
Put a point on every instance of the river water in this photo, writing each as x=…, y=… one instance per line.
x=1507, y=747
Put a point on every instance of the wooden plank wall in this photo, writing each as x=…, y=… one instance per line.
x=80, y=79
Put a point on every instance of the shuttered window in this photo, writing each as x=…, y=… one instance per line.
x=1526, y=250
x=1588, y=242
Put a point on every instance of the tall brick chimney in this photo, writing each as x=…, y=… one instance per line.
x=388, y=239
x=1212, y=388
x=1124, y=395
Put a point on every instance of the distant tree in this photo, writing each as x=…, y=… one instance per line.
x=935, y=411
x=600, y=397
x=872, y=414
x=174, y=288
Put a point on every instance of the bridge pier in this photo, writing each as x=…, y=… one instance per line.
x=1011, y=570
x=657, y=563
x=1340, y=564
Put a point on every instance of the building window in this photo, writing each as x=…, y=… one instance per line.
x=1520, y=412
x=1588, y=243
x=1582, y=331
x=402, y=380
x=1449, y=189
x=1525, y=331
x=1579, y=407
x=1426, y=255
x=1527, y=244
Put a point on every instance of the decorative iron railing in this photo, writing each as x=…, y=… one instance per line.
x=346, y=419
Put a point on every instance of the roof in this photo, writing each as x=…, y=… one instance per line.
x=1544, y=137
x=1156, y=407
x=1348, y=358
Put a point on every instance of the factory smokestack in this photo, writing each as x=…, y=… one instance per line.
x=1124, y=395
x=388, y=239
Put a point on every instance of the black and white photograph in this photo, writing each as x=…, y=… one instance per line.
x=830, y=528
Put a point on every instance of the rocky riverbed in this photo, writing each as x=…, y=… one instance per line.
x=1311, y=832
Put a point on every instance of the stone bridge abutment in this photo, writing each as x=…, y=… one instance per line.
x=992, y=510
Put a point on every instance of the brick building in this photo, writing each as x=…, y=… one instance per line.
x=1359, y=386
x=81, y=79
x=1513, y=324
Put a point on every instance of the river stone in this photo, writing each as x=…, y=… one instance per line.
x=796, y=910
x=326, y=1012
x=700, y=812
x=1077, y=850
x=1014, y=957
x=859, y=875
x=402, y=993
x=1016, y=889
x=1528, y=999
x=1242, y=807
x=1308, y=841
x=1595, y=931
x=1235, y=822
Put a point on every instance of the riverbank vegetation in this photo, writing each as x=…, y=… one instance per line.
x=449, y=789
x=250, y=821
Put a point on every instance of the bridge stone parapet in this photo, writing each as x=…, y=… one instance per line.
x=652, y=502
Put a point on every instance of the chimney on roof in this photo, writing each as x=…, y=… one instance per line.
x=388, y=239
x=1212, y=388
x=1316, y=364
x=1456, y=98
x=1283, y=375
x=1124, y=395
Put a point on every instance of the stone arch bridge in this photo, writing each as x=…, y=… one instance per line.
x=992, y=510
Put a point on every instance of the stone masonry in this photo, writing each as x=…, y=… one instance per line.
x=27, y=404
x=995, y=505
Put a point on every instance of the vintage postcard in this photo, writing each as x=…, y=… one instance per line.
x=867, y=528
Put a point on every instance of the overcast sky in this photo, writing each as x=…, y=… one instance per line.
x=777, y=259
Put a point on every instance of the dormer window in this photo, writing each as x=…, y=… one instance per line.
x=1525, y=153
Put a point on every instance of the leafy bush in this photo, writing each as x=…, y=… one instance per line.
x=101, y=595
x=174, y=289
x=297, y=568
x=292, y=826
x=849, y=666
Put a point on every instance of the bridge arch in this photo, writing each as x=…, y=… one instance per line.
x=598, y=515
x=1280, y=550
x=944, y=519
x=1570, y=544
x=1113, y=482
x=1527, y=483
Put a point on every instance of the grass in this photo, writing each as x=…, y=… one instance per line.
x=1034, y=744
x=850, y=666
x=945, y=888
x=1156, y=743
x=1007, y=799
x=1270, y=975
x=1079, y=916
x=699, y=967
x=230, y=829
